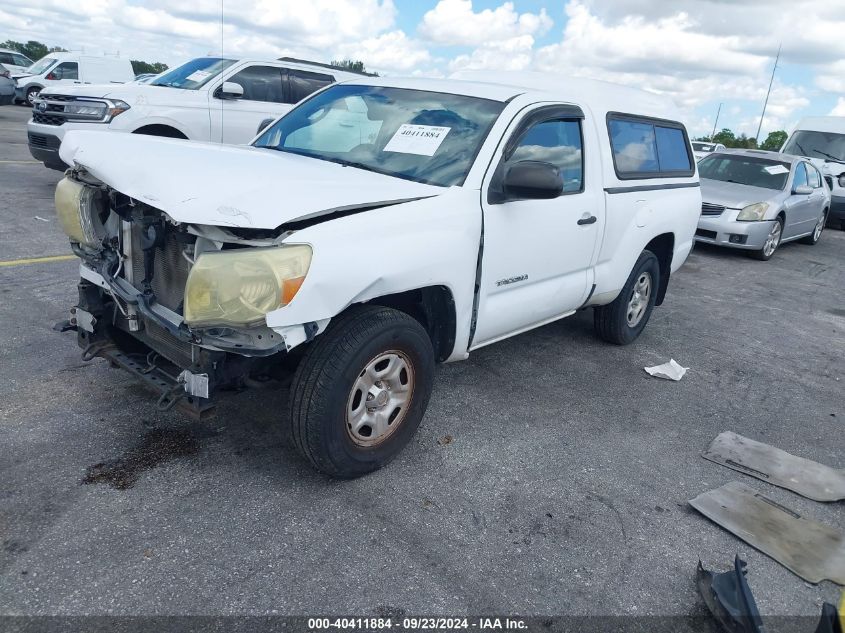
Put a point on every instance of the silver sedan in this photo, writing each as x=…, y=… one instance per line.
x=756, y=200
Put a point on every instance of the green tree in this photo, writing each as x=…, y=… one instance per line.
x=32, y=49
x=356, y=66
x=141, y=67
x=726, y=137
x=774, y=141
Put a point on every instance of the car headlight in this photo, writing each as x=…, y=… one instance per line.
x=118, y=107
x=753, y=212
x=841, y=180
x=92, y=109
x=238, y=287
x=79, y=210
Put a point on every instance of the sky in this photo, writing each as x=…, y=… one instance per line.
x=699, y=52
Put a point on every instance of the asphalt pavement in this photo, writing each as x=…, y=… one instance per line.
x=550, y=475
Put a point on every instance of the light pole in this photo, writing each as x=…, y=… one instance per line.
x=716, y=122
x=766, y=102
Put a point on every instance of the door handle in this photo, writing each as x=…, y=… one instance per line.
x=590, y=220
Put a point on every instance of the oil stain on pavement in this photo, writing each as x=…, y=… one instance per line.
x=157, y=447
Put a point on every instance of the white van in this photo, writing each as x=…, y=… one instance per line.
x=822, y=140
x=70, y=68
x=14, y=61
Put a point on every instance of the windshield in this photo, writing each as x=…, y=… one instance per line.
x=703, y=147
x=428, y=137
x=745, y=170
x=41, y=65
x=193, y=74
x=824, y=145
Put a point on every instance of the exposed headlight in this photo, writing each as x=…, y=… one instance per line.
x=79, y=212
x=238, y=287
x=753, y=212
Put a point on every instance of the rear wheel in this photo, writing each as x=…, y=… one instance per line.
x=813, y=238
x=622, y=321
x=361, y=390
x=771, y=244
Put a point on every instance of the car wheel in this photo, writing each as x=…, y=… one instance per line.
x=622, y=321
x=361, y=390
x=771, y=244
x=31, y=94
x=813, y=238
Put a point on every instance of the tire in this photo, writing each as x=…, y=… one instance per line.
x=813, y=238
x=612, y=322
x=765, y=253
x=328, y=391
x=31, y=94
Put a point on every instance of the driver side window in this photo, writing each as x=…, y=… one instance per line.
x=557, y=142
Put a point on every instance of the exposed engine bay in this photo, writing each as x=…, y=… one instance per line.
x=136, y=262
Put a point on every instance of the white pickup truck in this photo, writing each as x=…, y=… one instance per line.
x=205, y=99
x=380, y=226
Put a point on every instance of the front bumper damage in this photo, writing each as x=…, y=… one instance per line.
x=129, y=312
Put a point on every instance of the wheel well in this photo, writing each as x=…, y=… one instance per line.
x=434, y=308
x=158, y=129
x=663, y=246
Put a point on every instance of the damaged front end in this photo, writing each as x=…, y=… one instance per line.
x=179, y=305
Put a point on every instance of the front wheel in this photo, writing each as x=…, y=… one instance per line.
x=361, y=390
x=622, y=321
x=31, y=95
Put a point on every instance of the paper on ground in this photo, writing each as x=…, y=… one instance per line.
x=669, y=371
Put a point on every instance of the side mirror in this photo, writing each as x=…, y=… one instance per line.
x=51, y=76
x=231, y=90
x=802, y=190
x=263, y=126
x=532, y=180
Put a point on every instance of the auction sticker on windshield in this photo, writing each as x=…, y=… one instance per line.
x=198, y=75
x=774, y=170
x=417, y=139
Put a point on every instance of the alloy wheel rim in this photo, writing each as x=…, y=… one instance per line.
x=380, y=398
x=639, y=299
x=772, y=240
x=819, y=228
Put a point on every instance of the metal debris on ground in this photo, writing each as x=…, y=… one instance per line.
x=775, y=466
x=813, y=551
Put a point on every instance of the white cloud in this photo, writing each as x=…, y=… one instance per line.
x=393, y=51
x=515, y=53
x=839, y=108
x=454, y=23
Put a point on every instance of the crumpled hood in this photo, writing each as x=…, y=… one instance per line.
x=227, y=185
x=733, y=195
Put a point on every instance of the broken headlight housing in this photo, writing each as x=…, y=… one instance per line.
x=79, y=209
x=238, y=287
x=753, y=212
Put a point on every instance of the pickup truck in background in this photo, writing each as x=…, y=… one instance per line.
x=379, y=227
x=206, y=99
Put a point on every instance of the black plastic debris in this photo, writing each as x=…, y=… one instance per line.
x=829, y=622
x=729, y=598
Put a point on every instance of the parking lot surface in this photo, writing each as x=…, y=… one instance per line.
x=550, y=474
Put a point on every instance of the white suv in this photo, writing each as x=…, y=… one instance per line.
x=380, y=226
x=14, y=61
x=205, y=99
